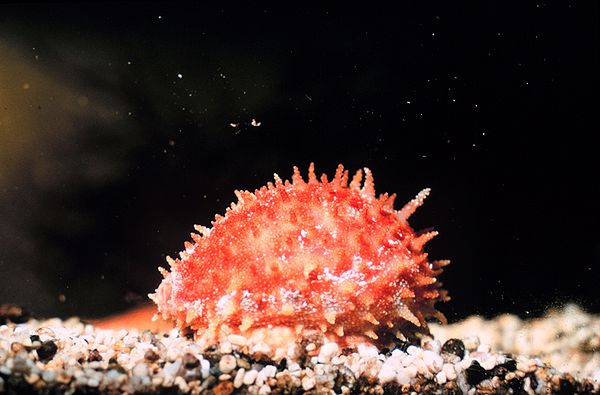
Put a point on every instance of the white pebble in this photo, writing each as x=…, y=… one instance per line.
x=387, y=373
x=227, y=363
x=264, y=390
x=408, y=360
x=367, y=350
x=171, y=368
x=93, y=383
x=411, y=371
x=440, y=378
x=239, y=378
x=414, y=351
x=269, y=371
x=449, y=371
x=327, y=351
x=484, y=348
x=141, y=370
x=205, y=368
x=48, y=376
x=250, y=376
x=308, y=383
x=433, y=361
x=402, y=377
x=434, y=345
x=181, y=383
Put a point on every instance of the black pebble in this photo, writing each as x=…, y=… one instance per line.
x=34, y=338
x=13, y=313
x=476, y=373
x=190, y=361
x=282, y=365
x=47, y=351
x=151, y=356
x=94, y=356
x=402, y=345
x=566, y=387
x=454, y=346
x=502, y=369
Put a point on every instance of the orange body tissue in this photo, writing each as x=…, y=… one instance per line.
x=316, y=254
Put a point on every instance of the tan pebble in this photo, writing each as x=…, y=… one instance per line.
x=239, y=378
x=181, y=383
x=308, y=383
x=32, y=378
x=311, y=347
x=264, y=390
x=224, y=377
x=227, y=363
x=250, y=376
x=449, y=371
x=440, y=377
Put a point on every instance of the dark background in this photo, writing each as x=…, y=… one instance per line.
x=108, y=156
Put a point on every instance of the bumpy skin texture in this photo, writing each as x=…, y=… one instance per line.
x=320, y=254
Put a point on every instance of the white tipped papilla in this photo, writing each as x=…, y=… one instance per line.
x=369, y=317
x=278, y=180
x=339, y=172
x=330, y=317
x=297, y=177
x=404, y=312
x=410, y=207
x=371, y=334
x=203, y=230
x=172, y=262
x=339, y=330
x=418, y=242
x=368, y=186
x=440, y=263
x=163, y=271
x=355, y=183
x=312, y=178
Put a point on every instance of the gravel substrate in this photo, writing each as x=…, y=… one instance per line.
x=557, y=354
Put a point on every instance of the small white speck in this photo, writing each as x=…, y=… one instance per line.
x=180, y=76
x=408, y=102
x=129, y=62
x=160, y=17
x=255, y=123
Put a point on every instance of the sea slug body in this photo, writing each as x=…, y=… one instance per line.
x=317, y=254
